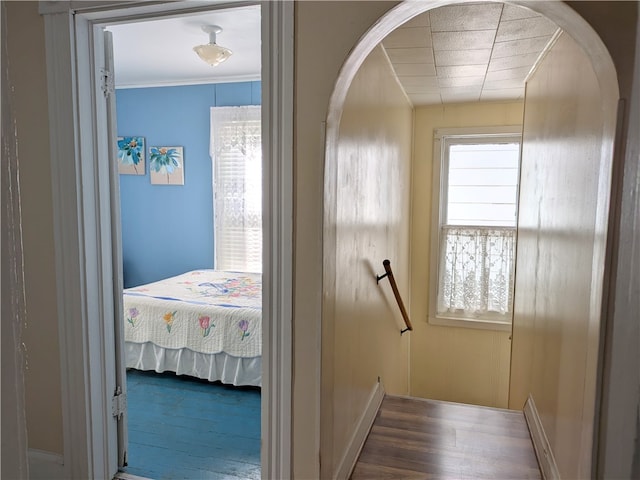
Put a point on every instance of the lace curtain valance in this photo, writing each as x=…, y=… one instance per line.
x=476, y=271
x=236, y=151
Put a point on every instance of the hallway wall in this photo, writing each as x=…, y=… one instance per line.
x=456, y=364
x=566, y=165
x=619, y=456
x=319, y=57
x=371, y=176
x=28, y=77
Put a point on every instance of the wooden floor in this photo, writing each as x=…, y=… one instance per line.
x=419, y=439
x=184, y=428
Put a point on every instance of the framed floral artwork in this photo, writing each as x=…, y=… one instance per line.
x=131, y=156
x=166, y=165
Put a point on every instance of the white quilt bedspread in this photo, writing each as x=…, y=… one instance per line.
x=207, y=311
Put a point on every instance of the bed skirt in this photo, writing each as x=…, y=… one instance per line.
x=213, y=367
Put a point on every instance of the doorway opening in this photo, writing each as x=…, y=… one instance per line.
x=454, y=63
x=189, y=168
x=92, y=403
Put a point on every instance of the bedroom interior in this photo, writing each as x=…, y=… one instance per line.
x=191, y=247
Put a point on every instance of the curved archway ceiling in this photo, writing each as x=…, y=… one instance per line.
x=468, y=53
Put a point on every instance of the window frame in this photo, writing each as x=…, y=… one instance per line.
x=441, y=140
x=248, y=114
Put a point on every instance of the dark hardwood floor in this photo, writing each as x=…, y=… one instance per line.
x=416, y=438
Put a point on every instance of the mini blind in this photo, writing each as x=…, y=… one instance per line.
x=236, y=152
x=482, y=184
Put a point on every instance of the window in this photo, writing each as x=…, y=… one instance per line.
x=236, y=152
x=474, y=226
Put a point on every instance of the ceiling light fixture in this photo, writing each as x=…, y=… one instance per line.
x=212, y=53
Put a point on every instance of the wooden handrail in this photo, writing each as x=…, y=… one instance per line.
x=396, y=292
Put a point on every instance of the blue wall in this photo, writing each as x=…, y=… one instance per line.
x=168, y=229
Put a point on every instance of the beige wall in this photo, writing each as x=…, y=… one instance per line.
x=566, y=153
x=621, y=400
x=13, y=433
x=371, y=169
x=325, y=34
x=25, y=39
x=451, y=363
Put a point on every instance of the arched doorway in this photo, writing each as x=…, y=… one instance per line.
x=605, y=75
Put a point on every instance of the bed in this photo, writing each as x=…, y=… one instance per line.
x=203, y=323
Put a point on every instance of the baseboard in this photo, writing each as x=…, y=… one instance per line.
x=546, y=460
x=128, y=476
x=45, y=465
x=350, y=457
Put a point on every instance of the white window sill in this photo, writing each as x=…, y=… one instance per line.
x=481, y=324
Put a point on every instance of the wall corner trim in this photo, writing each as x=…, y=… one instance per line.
x=46, y=465
x=360, y=433
x=546, y=460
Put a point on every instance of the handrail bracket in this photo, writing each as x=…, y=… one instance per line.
x=380, y=277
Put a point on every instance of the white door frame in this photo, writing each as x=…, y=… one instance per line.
x=83, y=231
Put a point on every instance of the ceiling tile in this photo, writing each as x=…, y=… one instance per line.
x=458, y=95
x=421, y=20
x=520, y=47
x=473, y=52
x=512, y=12
x=462, y=57
x=461, y=71
x=410, y=55
x=418, y=81
x=421, y=85
x=418, y=89
x=512, y=62
x=425, y=98
x=461, y=82
x=525, y=28
x=465, y=17
x=503, y=94
x=408, y=37
x=415, y=69
x=508, y=74
x=476, y=39
x=500, y=84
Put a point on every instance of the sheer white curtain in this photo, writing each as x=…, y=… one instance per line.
x=476, y=271
x=236, y=151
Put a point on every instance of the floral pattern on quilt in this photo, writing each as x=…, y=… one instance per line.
x=243, y=325
x=207, y=311
x=132, y=316
x=231, y=288
x=168, y=318
x=205, y=324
